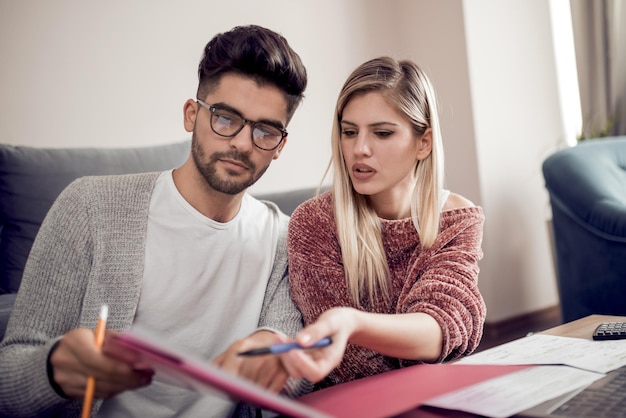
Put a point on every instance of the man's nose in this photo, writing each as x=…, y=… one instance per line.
x=243, y=140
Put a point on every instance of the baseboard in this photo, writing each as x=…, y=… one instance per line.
x=533, y=321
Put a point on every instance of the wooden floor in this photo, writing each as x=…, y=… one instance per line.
x=512, y=329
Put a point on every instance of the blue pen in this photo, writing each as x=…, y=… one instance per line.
x=284, y=347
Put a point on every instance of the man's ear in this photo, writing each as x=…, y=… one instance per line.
x=278, y=150
x=190, y=111
x=425, y=145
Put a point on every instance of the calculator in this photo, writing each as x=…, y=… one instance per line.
x=610, y=331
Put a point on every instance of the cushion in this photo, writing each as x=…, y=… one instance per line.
x=6, y=304
x=31, y=179
x=288, y=201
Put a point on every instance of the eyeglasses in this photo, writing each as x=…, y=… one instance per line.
x=228, y=123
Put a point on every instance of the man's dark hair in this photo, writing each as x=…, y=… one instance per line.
x=255, y=52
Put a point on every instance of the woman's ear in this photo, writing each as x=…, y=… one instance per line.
x=424, y=144
x=190, y=111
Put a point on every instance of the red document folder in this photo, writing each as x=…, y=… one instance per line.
x=383, y=395
x=399, y=391
x=195, y=373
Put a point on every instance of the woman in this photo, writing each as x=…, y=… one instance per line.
x=385, y=263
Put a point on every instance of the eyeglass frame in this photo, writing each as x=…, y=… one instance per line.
x=252, y=123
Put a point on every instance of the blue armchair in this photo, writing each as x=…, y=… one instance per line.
x=587, y=189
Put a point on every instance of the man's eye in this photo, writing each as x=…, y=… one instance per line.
x=268, y=131
x=226, y=119
x=262, y=133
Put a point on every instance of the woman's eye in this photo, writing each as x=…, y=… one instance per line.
x=348, y=132
x=383, y=134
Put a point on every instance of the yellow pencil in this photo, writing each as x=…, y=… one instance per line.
x=91, y=382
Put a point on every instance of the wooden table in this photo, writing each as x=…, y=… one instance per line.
x=580, y=328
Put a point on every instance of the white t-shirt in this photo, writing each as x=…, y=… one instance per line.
x=203, y=287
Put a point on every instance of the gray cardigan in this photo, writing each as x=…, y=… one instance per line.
x=90, y=251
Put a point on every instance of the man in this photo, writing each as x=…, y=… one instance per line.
x=185, y=252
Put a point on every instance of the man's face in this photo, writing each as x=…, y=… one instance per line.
x=231, y=165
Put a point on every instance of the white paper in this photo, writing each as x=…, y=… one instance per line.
x=596, y=356
x=515, y=392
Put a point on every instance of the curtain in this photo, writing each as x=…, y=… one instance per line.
x=600, y=43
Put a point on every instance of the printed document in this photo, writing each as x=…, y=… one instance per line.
x=515, y=392
x=596, y=356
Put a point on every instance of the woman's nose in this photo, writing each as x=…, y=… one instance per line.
x=361, y=145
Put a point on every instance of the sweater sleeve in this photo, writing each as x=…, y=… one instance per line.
x=279, y=312
x=316, y=274
x=443, y=282
x=47, y=305
x=70, y=272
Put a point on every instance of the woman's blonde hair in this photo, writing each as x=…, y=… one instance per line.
x=404, y=85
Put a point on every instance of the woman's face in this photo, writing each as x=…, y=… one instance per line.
x=380, y=149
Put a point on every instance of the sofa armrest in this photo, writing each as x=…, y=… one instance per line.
x=288, y=201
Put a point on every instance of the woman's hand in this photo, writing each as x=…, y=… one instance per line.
x=316, y=364
x=411, y=336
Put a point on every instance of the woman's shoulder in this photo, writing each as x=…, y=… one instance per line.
x=312, y=221
x=321, y=203
x=314, y=211
x=456, y=201
x=458, y=208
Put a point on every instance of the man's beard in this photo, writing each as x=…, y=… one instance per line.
x=209, y=171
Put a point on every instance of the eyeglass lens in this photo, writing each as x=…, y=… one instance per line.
x=227, y=123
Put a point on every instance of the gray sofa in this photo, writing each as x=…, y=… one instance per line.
x=31, y=179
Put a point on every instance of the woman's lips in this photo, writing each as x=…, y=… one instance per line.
x=362, y=171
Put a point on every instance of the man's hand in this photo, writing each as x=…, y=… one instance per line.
x=266, y=371
x=76, y=357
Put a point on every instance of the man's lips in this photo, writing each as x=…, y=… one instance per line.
x=235, y=164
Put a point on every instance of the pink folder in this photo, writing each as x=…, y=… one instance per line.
x=383, y=395
x=399, y=391
x=196, y=373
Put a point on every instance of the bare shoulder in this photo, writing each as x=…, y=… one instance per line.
x=456, y=201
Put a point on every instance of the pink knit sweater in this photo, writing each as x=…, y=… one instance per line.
x=440, y=281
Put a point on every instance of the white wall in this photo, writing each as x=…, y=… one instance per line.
x=117, y=73
x=518, y=122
